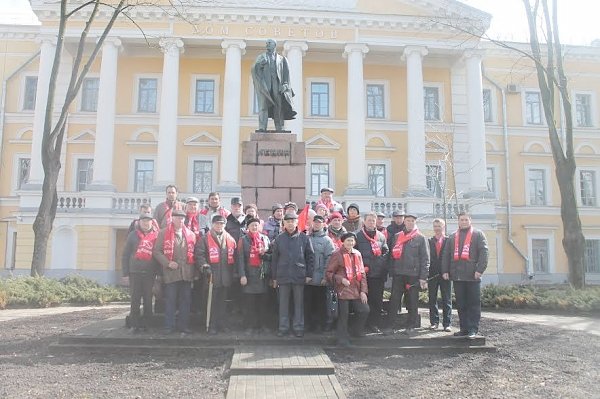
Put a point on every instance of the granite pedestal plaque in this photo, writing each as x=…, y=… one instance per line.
x=273, y=171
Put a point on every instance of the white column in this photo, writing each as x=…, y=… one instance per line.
x=295, y=52
x=167, y=125
x=357, y=170
x=48, y=49
x=416, y=120
x=105, y=117
x=475, y=125
x=230, y=137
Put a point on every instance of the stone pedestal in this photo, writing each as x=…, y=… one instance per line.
x=273, y=171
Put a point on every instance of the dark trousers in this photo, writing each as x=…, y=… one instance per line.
x=255, y=310
x=399, y=290
x=331, y=312
x=218, y=308
x=178, y=298
x=445, y=286
x=140, y=286
x=315, y=306
x=375, y=300
x=286, y=291
x=468, y=303
x=361, y=311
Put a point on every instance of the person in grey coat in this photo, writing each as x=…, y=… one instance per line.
x=315, y=292
x=464, y=260
x=292, y=267
x=410, y=267
x=253, y=262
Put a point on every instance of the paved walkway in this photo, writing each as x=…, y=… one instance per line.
x=574, y=323
x=13, y=314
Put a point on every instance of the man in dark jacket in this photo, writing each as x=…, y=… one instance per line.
x=292, y=266
x=395, y=227
x=216, y=257
x=236, y=221
x=273, y=224
x=410, y=266
x=140, y=268
x=464, y=260
x=436, y=282
x=374, y=250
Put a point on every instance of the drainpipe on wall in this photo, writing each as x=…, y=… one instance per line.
x=528, y=271
x=3, y=99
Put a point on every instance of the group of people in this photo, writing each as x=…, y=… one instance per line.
x=314, y=272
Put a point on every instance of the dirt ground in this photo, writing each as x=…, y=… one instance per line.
x=531, y=361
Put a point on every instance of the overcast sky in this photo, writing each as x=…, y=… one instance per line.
x=578, y=18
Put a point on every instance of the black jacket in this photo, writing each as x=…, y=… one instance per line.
x=464, y=270
x=393, y=229
x=236, y=226
x=293, y=258
x=414, y=260
x=435, y=265
x=378, y=267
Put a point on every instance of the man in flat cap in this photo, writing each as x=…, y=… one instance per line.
x=291, y=266
x=395, y=227
x=236, y=221
x=192, y=215
x=327, y=199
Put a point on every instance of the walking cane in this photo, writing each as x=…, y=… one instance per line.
x=209, y=302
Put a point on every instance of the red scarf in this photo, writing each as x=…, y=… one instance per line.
x=256, y=246
x=466, y=246
x=358, y=266
x=383, y=231
x=403, y=239
x=375, y=247
x=168, y=218
x=214, y=251
x=169, y=243
x=438, y=245
x=146, y=244
x=193, y=225
x=337, y=243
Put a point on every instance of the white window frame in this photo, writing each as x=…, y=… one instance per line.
x=551, y=250
x=80, y=94
x=591, y=237
x=524, y=107
x=547, y=184
x=136, y=87
x=309, y=162
x=15, y=177
x=496, y=169
x=22, y=91
x=217, y=97
x=132, y=159
x=441, y=99
x=190, y=175
x=493, y=104
x=593, y=108
x=74, y=163
x=388, y=173
x=596, y=171
x=442, y=171
x=386, y=99
x=308, y=99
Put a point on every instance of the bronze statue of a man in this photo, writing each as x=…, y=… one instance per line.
x=271, y=76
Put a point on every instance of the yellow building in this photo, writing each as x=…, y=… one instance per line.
x=396, y=111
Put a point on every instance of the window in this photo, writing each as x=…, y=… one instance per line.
x=537, y=186
x=583, y=110
x=432, y=103
x=85, y=170
x=205, y=96
x=376, y=175
x=319, y=177
x=144, y=175
x=203, y=177
x=533, y=108
x=434, y=179
x=30, y=93
x=319, y=99
x=89, y=94
x=24, y=167
x=147, y=94
x=587, y=187
x=591, y=257
x=491, y=180
x=539, y=254
x=375, y=101
x=487, y=105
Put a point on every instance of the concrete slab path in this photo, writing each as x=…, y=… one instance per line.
x=574, y=323
x=12, y=314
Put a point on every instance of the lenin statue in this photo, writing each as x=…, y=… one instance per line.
x=271, y=77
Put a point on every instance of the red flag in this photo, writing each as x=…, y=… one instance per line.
x=302, y=217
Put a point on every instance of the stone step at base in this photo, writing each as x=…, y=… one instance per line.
x=284, y=386
x=297, y=360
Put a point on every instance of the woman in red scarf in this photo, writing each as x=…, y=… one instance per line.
x=253, y=262
x=346, y=272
